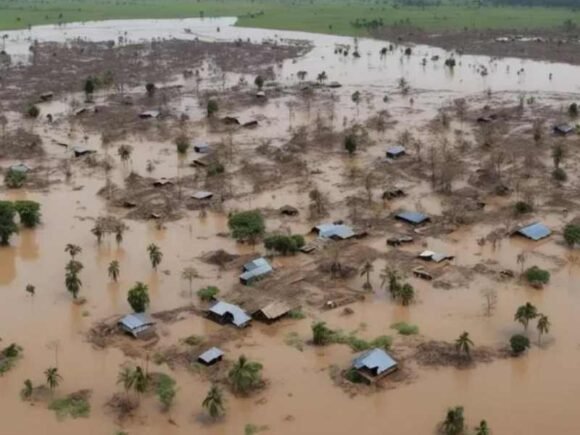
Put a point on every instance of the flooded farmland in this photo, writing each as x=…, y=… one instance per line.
x=466, y=175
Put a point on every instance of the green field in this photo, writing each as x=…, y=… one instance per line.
x=322, y=16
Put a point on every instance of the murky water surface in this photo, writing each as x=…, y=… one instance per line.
x=533, y=395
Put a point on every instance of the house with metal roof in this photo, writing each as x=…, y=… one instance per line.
x=412, y=217
x=211, y=356
x=136, y=324
x=201, y=148
x=436, y=257
x=201, y=195
x=535, y=231
x=254, y=270
x=395, y=152
x=148, y=114
x=20, y=167
x=273, y=311
x=79, y=151
x=334, y=231
x=223, y=313
x=563, y=129
x=374, y=364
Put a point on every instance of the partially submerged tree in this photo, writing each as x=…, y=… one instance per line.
x=208, y=294
x=321, y=334
x=525, y=313
x=454, y=423
x=189, y=274
x=247, y=226
x=155, y=255
x=214, y=402
x=73, y=250
x=14, y=179
x=114, y=270
x=7, y=224
x=182, y=143
x=543, y=326
x=519, y=343
x=366, y=271
x=464, y=344
x=138, y=297
x=150, y=88
x=245, y=375
x=212, y=108
x=72, y=280
x=284, y=244
x=482, y=428
x=572, y=234
x=53, y=377
x=29, y=212
x=259, y=82
x=350, y=143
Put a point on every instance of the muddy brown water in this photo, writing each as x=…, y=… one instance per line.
x=535, y=394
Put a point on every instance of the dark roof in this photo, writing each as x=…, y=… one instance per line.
x=395, y=151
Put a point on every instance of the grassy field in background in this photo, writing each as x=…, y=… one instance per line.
x=322, y=16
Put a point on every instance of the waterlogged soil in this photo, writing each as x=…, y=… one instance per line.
x=454, y=165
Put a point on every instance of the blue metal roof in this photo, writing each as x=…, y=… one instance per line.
x=376, y=360
x=240, y=318
x=412, y=217
x=332, y=231
x=535, y=231
x=255, y=269
x=211, y=355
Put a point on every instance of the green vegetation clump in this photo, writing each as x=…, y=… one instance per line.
x=14, y=179
x=519, y=343
x=573, y=110
x=138, y=297
x=404, y=328
x=193, y=340
x=572, y=234
x=7, y=225
x=296, y=314
x=182, y=143
x=8, y=357
x=32, y=111
x=74, y=406
x=212, y=108
x=284, y=244
x=559, y=174
x=536, y=276
x=208, y=293
x=522, y=207
x=29, y=212
x=354, y=376
x=165, y=390
x=247, y=226
x=215, y=168
x=322, y=335
x=350, y=143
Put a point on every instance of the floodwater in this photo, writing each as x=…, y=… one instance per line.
x=532, y=395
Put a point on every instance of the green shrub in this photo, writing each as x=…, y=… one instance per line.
x=350, y=143
x=215, y=168
x=74, y=406
x=522, y=207
x=14, y=179
x=165, y=390
x=535, y=275
x=208, y=293
x=559, y=174
x=212, y=107
x=296, y=314
x=247, y=225
x=404, y=328
x=573, y=110
x=572, y=234
x=284, y=244
x=519, y=343
x=29, y=212
x=8, y=357
x=182, y=144
x=193, y=340
x=354, y=376
x=138, y=297
x=32, y=111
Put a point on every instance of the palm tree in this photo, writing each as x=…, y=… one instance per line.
x=245, y=375
x=464, y=344
x=213, y=402
x=141, y=381
x=366, y=270
x=391, y=276
x=155, y=255
x=525, y=313
x=30, y=289
x=189, y=274
x=124, y=152
x=543, y=326
x=114, y=270
x=406, y=294
x=454, y=422
x=482, y=429
x=73, y=250
x=126, y=378
x=322, y=77
x=53, y=378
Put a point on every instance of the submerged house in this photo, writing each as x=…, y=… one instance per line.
x=374, y=364
x=254, y=270
x=211, y=356
x=334, y=231
x=223, y=313
x=437, y=257
x=413, y=217
x=201, y=148
x=272, y=312
x=20, y=167
x=563, y=129
x=79, y=151
x=396, y=152
x=202, y=194
x=535, y=231
x=148, y=114
x=136, y=324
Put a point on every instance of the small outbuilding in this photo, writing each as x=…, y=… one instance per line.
x=393, y=194
x=230, y=120
x=223, y=313
x=396, y=152
x=260, y=95
x=436, y=257
x=334, y=231
x=80, y=151
x=563, y=129
x=250, y=124
x=201, y=148
x=334, y=85
x=413, y=217
x=288, y=210
x=20, y=167
x=149, y=114
x=535, y=231
x=202, y=195
x=374, y=364
x=420, y=272
x=161, y=182
x=272, y=312
x=254, y=270
x=46, y=96
x=136, y=324
x=399, y=240
x=211, y=356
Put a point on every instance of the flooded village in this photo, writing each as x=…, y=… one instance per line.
x=221, y=230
